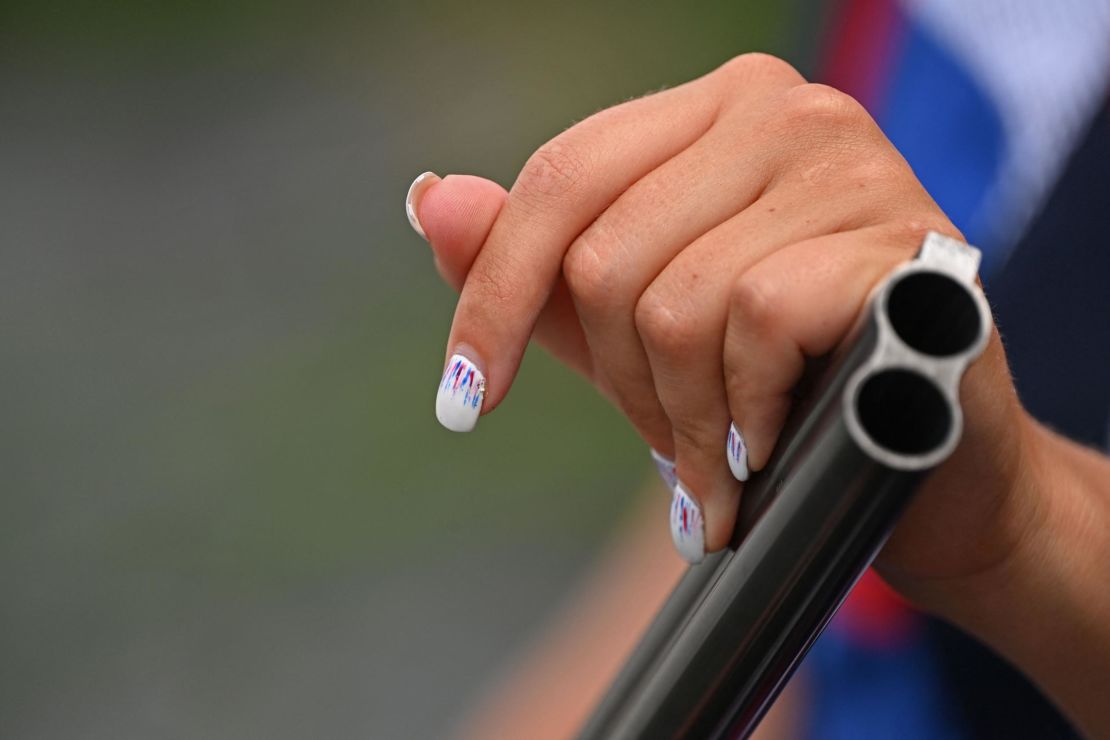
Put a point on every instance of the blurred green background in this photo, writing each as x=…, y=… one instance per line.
x=228, y=510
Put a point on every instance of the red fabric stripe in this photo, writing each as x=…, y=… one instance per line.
x=860, y=48
x=874, y=616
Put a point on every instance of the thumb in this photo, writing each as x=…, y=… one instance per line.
x=455, y=215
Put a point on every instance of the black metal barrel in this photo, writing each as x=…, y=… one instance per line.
x=883, y=415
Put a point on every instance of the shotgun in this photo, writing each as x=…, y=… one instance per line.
x=883, y=414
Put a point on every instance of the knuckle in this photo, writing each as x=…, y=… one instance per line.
x=664, y=327
x=910, y=232
x=753, y=305
x=591, y=273
x=816, y=105
x=556, y=170
x=757, y=64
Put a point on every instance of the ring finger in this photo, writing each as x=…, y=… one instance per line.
x=682, y=318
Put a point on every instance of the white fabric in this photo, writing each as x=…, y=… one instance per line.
x=1046, y=66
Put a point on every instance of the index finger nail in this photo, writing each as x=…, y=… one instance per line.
x=460, y=394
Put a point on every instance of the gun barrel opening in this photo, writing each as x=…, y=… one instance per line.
x=903, y=412
x=934, y=314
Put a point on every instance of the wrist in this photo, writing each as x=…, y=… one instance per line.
x=1022, y=525
x=1044, y=605
x=975, y=513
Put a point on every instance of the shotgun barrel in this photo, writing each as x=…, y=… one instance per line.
x=884, y=413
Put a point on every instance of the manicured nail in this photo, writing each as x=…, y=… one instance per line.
x=459, y=400
x=665, y=466
x=687, y=526
x=737, y=453
x=412, y=200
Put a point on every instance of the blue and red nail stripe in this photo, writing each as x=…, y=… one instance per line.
x=735, y=444
x=685, y=516
x=462, y=377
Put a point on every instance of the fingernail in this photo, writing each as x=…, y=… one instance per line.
x=412, y=200
x=459, y=399
x=687, y=526
x=737, y=453
x=666, y=469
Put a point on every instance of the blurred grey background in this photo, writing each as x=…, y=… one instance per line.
x=227, y=508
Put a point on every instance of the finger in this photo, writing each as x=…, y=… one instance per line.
x=745, y=153
x=837, y=190
x=613, y=261
x=560, y=191
x=682, y=318
x=799, y=303
x=455, y=215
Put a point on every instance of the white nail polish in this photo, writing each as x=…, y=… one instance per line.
x=687, y=526
x=666, y=469
x=415, y=190
x=460, y=395
x=737, y=453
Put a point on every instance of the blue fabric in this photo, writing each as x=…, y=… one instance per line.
x=948, y=130
x=944, y=124
x=1052, y=303
x=857, y=692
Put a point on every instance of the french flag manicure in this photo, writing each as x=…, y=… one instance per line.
x=459, y=399
x=737, y=453
x=687, y=526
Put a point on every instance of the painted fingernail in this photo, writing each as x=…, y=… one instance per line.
x=687, y=526
x=459, y=399
x=665, y=466
x=412, y=200
x=737, y=453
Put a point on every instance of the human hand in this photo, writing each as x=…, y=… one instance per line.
x=687, y=252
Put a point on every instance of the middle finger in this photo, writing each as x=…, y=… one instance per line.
x=612, y=262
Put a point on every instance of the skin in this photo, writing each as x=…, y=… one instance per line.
x=688, y=251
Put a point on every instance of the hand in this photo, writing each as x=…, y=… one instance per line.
x=687, y=252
